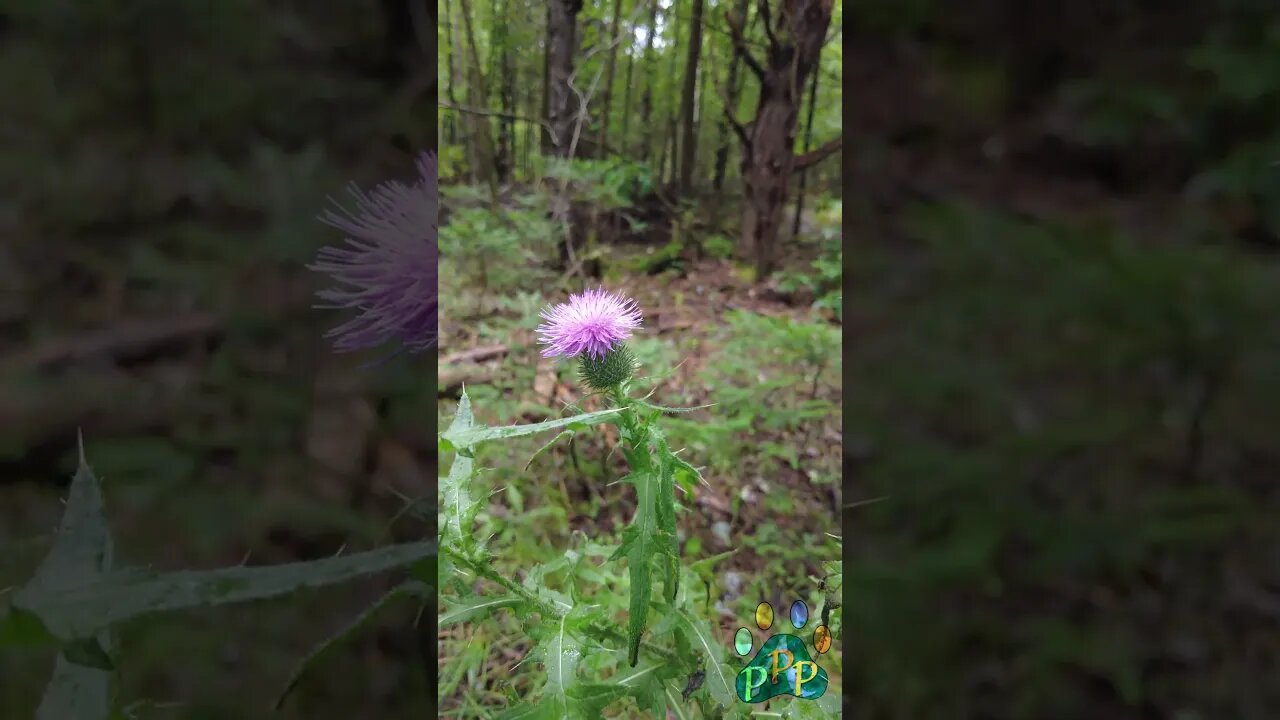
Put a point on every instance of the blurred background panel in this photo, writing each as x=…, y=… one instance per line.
x=163, y=167
x=1062, y=361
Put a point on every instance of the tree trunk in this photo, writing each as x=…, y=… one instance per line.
x=671, y=151
x=808, y=140
x=530, y=129
x=706, y=66
x=626, y=100
x=500, y=64
x=731, y=90
x=479, y=98
x=464, y=124
x=562, y=31
x=452, y=136
x=547, y=144
x=794, y=44
x=646, y=100
x=688, y=144
x=610, y=69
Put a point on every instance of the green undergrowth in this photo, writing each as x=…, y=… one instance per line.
x=593, y=641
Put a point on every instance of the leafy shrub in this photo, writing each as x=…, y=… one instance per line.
x=493, y=248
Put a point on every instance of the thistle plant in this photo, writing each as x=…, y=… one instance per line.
x=593, y=328
x=679, y=664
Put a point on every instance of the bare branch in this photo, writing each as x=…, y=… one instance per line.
x=740, y=44
x=491, y=113
x=767, y=21
x=727, y=106
x=817, y=155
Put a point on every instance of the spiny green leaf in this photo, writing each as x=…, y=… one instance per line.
x=707, y=562
x=75, y=691
x=81, y=553
x=675, y=702
x=471, y=436
x=661, y=409
x=638, y=557
x=561, y=655
x=466, y=610
x=644, y=683
x=548, y=710
x=552, y=441
x=83, y=543
x=629, y=534
x=97, y=602
x=410, y=588
x=639, y=682
x=666, y=512
x=719, y=680
x=459, y=507
x=88, y=652
x=593, y=698
x=463, y=420
x=826, y=707
x=681, y=464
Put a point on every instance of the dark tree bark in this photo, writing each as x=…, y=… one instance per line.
x=688, y=144
x=794, y=42
x=547, y=144
x=706, y=66
x=562, y=39
x=731, y=91
x=609, y=72
x=563, y=110
x=530, y=133
x=670, y=149
x=646, y=100
x=486, y=166
x=808, y=140
x=465, y=125
x=452, y=136
x=626, y=100
x=500, y=65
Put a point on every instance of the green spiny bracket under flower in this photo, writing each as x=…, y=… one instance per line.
x=612, y=369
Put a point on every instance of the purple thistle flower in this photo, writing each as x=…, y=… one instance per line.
x=592, y=322
x=387, y=269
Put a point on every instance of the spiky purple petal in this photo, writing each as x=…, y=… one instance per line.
x=592, y=322
x=386, y=271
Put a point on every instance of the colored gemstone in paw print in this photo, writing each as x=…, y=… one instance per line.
x=783, y=666
x=821, y=639
x=764, y=616
x=799, y=614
